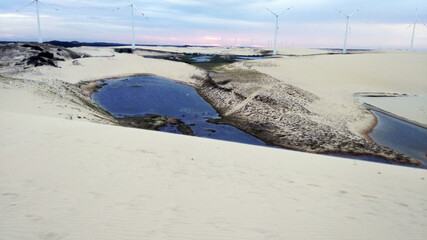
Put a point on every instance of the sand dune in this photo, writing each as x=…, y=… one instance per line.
x=336, y=78
x=392, y=71
x=64, y=179
x=68, y=179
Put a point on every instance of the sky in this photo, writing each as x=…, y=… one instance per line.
x=379, y=24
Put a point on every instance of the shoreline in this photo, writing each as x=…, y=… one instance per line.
x=370, y=128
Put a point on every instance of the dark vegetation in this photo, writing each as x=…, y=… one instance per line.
x=154, y=122
x=34, y=54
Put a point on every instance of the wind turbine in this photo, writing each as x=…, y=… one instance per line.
x=38, y=18
x=132, y=7
x=277, y=27
x=344, y=50
x=413, y=29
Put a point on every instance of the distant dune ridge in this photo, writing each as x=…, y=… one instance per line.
x=68, y=172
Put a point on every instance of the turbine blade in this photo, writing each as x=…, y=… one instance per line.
x=340, y=11
x=118, y=8
x=25, y=6
x=353, y=12
x=289, y=8
x=137, y=9
x=49, y=5
x=271, y=12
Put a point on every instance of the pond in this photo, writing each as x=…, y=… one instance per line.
x=201, y=60
x=401, y=136
x=150, y=95
x=215, y=58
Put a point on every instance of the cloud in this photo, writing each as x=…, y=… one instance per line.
x=13, y=15
x=307, y=23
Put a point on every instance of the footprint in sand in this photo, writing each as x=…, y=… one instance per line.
x=51, y=236
x=369, y=196
x=10, y=195
x=34, y=218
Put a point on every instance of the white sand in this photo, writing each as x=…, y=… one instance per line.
x=393, y=71
x=76, y=180
x=35, y=104
x=63, y=179
x=50, y=100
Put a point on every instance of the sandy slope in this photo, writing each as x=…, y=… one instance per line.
x=62, y=179
x=52, y=98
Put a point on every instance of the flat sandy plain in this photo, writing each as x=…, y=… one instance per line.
x=66, y=172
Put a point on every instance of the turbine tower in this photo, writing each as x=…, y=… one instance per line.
x=277, y=27
x=413, y=29
x=38, y=22
x=38, y=18
x=344, y=50
x=132, y=7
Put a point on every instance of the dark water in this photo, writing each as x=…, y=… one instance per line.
x=209, y=58
x=243, y=58
x=143, y=95
x=204, y=58
x=401, y=136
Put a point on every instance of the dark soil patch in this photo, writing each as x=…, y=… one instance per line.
x=39, y=61
x=34, y=54
x=154, y=122
x=123, y=50
x=37, y=48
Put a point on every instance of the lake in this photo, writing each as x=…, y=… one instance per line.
x=146, y=95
